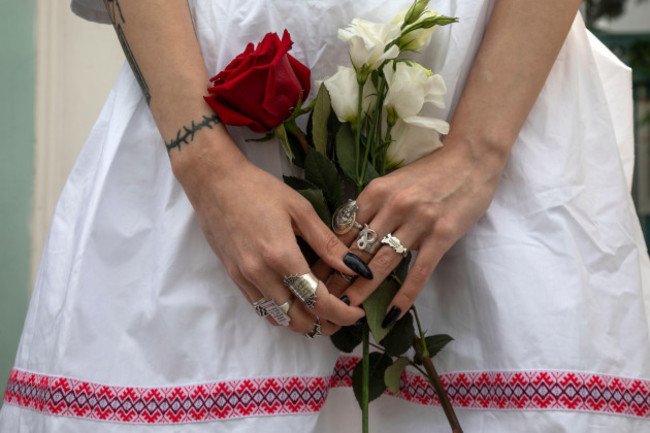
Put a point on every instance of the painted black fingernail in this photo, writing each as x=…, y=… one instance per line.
x=345, y=299
x=357, y=265
x=361, y=321
x=391, y=317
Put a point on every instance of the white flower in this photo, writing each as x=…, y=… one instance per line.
x=417, y=39
x=409, y=88
x=344, y=94
x=411, y=142
x=368, y=42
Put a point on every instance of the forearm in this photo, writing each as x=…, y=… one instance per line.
x=160, y=43
x=521, y=43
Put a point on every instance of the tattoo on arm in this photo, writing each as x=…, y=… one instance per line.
x=117, y=18
x=185, y=135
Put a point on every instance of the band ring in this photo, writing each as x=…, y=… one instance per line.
x=395, y=244
x=345, y=218
x=316, y=331
x=367, y=240
x=304, y=287
x=346, y=277
x=268, y=307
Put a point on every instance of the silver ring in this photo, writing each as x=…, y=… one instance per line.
x=279, y=313
x=345, y=218
x=395, y=244
x=259, y=308
x=315, y=332
x=367, y=240
x=304, y=287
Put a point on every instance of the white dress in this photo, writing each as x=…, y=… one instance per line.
x=134, y=325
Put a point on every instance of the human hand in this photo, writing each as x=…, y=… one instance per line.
x=427, y=205
x=250, y=220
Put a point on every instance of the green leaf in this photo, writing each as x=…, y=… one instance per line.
x=376, y=306
x=317, y=200
x=320, y=115
x=393, y=374
x=378, y=365
x=322, y=172
x=435, y=343
x=345, y=152
x=400, y=338
x=298, y=183
x=281, y=134
x=347, y=338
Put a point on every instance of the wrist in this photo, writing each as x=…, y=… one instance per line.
x=211, y=152
x=487, y=155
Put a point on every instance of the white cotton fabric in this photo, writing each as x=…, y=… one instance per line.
x=552, y=277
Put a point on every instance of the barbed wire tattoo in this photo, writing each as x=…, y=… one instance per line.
x=185, y=135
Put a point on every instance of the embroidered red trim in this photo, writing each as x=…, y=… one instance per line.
x=538, y=390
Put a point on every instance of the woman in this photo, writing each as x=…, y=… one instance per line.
x=134, y=323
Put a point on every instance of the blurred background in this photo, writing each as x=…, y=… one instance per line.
x=55, y=73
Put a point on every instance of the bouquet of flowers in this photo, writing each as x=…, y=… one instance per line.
x=364, y=121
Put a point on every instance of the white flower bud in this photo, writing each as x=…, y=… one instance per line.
x=343, y=88
x=368, y=42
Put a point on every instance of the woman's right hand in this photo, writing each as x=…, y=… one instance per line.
x=251, y=219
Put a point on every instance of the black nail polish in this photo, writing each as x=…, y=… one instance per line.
x=345, y=299
x=357, y=265
x=391, y=317
x=361, y=321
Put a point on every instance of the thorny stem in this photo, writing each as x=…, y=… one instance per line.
x=419, y=345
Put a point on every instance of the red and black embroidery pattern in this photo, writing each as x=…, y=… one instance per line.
x=559, y=390
x=537, y=390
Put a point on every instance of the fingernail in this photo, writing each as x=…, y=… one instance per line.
x=391, y=317
x=357, y=265
x=345, y=299
x=361, y=321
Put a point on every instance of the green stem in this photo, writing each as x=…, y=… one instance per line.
x=420, y=347
x=357, y=138
x=425, y=350
x=296, y=132
x=365, y=368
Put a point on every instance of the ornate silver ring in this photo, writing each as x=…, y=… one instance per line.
x=367, y=239
x=279, y=313
x=315, y=332
x=345, y=218
x=259, y=308
x=395, y=244
x=304, y=287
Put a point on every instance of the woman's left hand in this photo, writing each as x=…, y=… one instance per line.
x=427, y=205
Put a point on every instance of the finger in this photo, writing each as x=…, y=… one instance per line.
x=338, y=284
x=333, y=309
x=328, y=246
x=268, y=277
x=252, y=295
x=416, y=279
x=382, y=264
x=322, y=270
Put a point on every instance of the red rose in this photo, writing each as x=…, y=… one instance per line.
x=261, y=86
